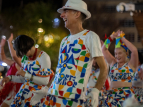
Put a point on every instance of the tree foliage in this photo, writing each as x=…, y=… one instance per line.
x=25, y=21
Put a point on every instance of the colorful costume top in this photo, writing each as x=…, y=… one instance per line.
x=136, y=76
x=39, y=67
x=116, y=96
x=124, y=74
x=4, y=92
x=91, y=84
x=137, y=84
x=74, y=64
x=93, y=78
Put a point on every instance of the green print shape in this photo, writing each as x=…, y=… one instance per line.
x=83, y=53
x=81, y=81
x=70, y=103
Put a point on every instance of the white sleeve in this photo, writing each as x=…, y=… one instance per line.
x=38, y=80
x=94, y=44
x=45, y=61
x=17, y=79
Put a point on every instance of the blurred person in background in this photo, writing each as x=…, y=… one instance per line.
x=92, y=82
x=122, y=68
x=35, y=72
x=1, y=70
x=9, y=90
x=137, y=83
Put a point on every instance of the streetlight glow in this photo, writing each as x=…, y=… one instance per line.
x=40, y=30
x=46, y=38
x=40, y=20
x=3, y=37
x=4, y=64
x=36, y=46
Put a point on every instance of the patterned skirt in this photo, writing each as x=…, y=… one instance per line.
x=139, y=94
x=55, y=101
x=23, y=97
x=117, y=96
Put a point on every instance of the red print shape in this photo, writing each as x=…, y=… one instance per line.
x=78, y=91
x=61, y=93
x=83, y=47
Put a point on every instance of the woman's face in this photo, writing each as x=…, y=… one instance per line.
x=120, y=55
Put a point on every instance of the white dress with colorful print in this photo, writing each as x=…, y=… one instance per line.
x=74, y=65
x=73, y=70
x=138, y=85
x=39, y=67
x=116, y=96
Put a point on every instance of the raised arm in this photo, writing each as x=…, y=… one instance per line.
x=134, y=53
x=107, y=55
x=12, y=51
x=2, y=53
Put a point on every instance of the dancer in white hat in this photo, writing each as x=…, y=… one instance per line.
x=76, y=54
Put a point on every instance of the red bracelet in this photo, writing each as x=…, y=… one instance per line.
x=110, y=39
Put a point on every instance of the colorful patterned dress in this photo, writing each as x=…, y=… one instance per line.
x=91, y=83
x=10, y=89
x=74, y=66
x=116, y=96
x=23, y=97
x=138, y=85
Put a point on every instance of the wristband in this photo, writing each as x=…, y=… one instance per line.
x=31, y=79
x=108, y=41
x=29, y=76
x=10, y=77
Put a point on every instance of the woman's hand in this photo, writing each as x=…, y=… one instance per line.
x=10, y=39
x=115, y=34
x=20, y=72
x=4, y=80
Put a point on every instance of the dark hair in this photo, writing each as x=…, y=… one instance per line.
x=140, y=57
x=83, y=17
x=22, y=44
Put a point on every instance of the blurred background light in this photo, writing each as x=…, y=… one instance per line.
x=40, y=30
x=4, y=64
x=46, y=38
x=11, y=27
x=36, y=46
x=40, y=20
x=56, y=22
x=3, y=37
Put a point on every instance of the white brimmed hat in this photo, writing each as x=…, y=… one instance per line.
x=78, y=5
